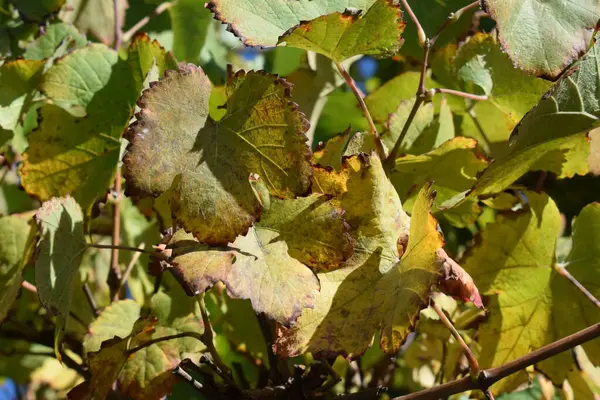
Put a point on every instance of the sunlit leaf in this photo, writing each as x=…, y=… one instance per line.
x=59, y=253
x=18, y=80
x=46, y=45
x=13, y=238
x=544, y=38
x=340, y=36
x=530, y=303
x=78, y=156
x=247, y=18
x=379, y=288
x=209, y=162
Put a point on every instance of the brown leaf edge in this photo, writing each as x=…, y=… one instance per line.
x=455, y=281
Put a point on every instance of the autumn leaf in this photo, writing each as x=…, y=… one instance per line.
x=530, y=303
x=208, y=162
x=340, y=36
x=387, y=281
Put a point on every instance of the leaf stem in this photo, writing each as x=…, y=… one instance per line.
x=359, y=97
x=563, y=272
x=413, y=112
x=141, y=23
x=490, y=376
x=461, y=94
x=420, y=32
x=468, y=353
x=208, y=336
x=129, y=248
x=453, y=17
x=134, y=259
x=118, y=30
x=183, y=374
x=114, y=273
x=90, y=298
x=149, y=343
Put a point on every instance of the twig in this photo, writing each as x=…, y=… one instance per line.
x=359, y=97
x=490, y=376
x=266, y=329
x=183, y=374
x=459, y=93
x=488, y=394
x=132, y=262
x=114, y=273
x=453, y=17
x=208, y=336
x=448, y=324
x=118, y=31
x=194, y=335
x=28, y=286
x=487, y=143
x=420, y=32
x=367, y=394
x=90, y=298
x=141, y=23
x=155, y=254
x=563, y=272
x=204, y=359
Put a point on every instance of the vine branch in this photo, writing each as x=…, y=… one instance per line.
x=155, y=254
x=359, y=97
x=141, y=23
x=563, y=272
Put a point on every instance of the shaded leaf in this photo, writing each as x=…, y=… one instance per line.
x=37, y=11
x=531, y=304
x=14, y=231
x=18, y=80
x=384, y=284
x=440, y=166
x=94, y=17
x=46, y=45
x=209, y=164
x=78, y=156
x=189, y=23
x=340, y=36
x=59, y=253
x=553, y=41
x=246, y=18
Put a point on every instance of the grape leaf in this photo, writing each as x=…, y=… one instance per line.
x=210, y=162
x=45, y=46
x=147, y=372
x=18, y=80
x=384, y=285
x=411, y=172
x=531, y=304
x=260, y=23
x=59, y=253
x=311, y=229
x=552, y=136
x=189, y=23
x=94, y=17
x=340, y=36
x=37, y=11
x=480, y=67
x=330, y=153
x=544, y=38
x=78, y=156
x=14, y=231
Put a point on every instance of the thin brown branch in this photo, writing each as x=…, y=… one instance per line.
x=90, y=298
x=468, y=353
x=141, y=23
x=149, y=343
x=420, y=32
x=453, y=17
x=490, y=376
x=132, y=262
x=208, y=337
x=114, y=273
x=183, y=374
x=563, y=272
x=266, y=328
x=152, y=253
x=486, y=141
x=359, y=97
x=461, y=94
x=204, y=359
x=118, y=30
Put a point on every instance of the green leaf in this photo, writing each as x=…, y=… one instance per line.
x=311, y=229
x=531, y=304
x=37, y=11
x=189, y=23
x=18, y=80
x=79, y=156
x=379, y=288
x=340, y=36
x=440, y=166
x=544, y=46
x=208, y=163
x=147, y=372
x=480, y=67
x=46, y=45
x=262, y=22
x=59, y=253
x=96, y=18
x=330, y=153
x=552, y=136
x=14, y=231
x=284, y=60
